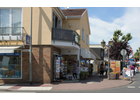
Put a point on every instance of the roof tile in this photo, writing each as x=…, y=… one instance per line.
x=73, y=12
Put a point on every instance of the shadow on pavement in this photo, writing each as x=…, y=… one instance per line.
x=93, y=78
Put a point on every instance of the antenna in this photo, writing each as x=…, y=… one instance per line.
x=67, y=8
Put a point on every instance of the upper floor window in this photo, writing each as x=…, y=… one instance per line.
x=57, y=23
x=10, y=18
x=87, y=40
x=83, y=34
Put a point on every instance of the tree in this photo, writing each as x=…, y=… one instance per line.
x=117, y=34
x=119, y=44
x=116, y=49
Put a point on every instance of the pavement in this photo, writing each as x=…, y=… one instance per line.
x=91, y=83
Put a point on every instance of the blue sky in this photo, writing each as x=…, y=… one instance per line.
x=105, y=20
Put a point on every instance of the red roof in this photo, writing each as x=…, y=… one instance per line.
x=73, y=12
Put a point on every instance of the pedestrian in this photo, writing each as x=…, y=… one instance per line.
x=91, y=68
x=132, y=71
x=106, y=69
x=101, y=69
x=75, y=70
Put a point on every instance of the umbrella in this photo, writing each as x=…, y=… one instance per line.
x=138, y=62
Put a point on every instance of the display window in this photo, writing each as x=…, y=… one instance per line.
x=10, y=65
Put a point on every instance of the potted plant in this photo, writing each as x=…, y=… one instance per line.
x=114, y=75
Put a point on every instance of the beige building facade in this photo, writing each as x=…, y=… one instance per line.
x=54, y=32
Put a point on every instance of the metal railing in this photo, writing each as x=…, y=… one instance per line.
x=65, y=35
x=11, y=30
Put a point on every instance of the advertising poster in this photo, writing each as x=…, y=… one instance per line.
x=115, y=66
x=126, y=73
x=5, y=61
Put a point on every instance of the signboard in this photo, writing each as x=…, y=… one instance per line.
x=115, y=66
x=26, y=50
x=10, y=54
x=27, y=39
x=127, y=73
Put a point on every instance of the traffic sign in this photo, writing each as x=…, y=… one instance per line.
x=123, y=52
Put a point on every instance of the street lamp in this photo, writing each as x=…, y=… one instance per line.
x=31, y=49
x=103, y=43
x=110, y=43
x=139, y=53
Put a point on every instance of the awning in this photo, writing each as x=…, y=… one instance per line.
x=86, y=54
x=8, y=49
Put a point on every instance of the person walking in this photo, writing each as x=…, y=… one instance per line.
x=132, y=71
x=91, y=68
x=106, y=69
x=101, y=69
x=75, y=70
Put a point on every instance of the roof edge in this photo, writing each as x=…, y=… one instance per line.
x=60, y=11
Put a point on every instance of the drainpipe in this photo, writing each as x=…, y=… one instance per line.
x=31, y=49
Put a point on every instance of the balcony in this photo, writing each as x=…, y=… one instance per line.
x=65, y=35
x=11, y=33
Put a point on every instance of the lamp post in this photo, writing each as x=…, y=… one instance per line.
x=103, y=44
x=110, y=43
x=31, y=49
x=139, y=53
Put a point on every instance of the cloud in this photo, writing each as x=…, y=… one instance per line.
x=128, y=23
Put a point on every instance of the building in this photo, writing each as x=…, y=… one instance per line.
x=54, y=32
x=100, y=53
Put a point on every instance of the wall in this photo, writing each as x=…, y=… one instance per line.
x=42, y=65
x=41, y=24
x=75, y=24
x=85, y=24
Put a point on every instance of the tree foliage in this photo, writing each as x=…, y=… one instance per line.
x=119, y=44
x=117, y=34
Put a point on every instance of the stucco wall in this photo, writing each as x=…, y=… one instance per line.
x=41, y=24
x=84, y=23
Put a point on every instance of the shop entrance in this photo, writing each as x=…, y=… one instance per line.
x=63, y=67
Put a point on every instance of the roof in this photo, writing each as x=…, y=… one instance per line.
x=96, y=55
x=73, y=12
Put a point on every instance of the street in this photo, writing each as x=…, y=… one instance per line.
x=131, y=88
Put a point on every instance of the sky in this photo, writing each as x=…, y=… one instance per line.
x=105, y=20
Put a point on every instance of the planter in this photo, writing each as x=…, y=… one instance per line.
x=83, y=74
x=114, y=76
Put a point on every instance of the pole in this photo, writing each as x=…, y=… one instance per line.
x=108, y=65
x=31, y=49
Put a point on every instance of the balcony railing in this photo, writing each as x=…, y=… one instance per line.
x=11, y=33
x=65, y=35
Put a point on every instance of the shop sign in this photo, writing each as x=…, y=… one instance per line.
x=27, y=39
x=26, y=50
x=10, y=54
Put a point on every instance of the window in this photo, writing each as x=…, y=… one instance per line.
x=87, y=40
x=57, y=23
x=10, y=65
x=10, y=18
x=83, y=34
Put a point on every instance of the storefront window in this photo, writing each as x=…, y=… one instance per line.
x=10, y=65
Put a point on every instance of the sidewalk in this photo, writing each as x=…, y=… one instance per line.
x=91, y=83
